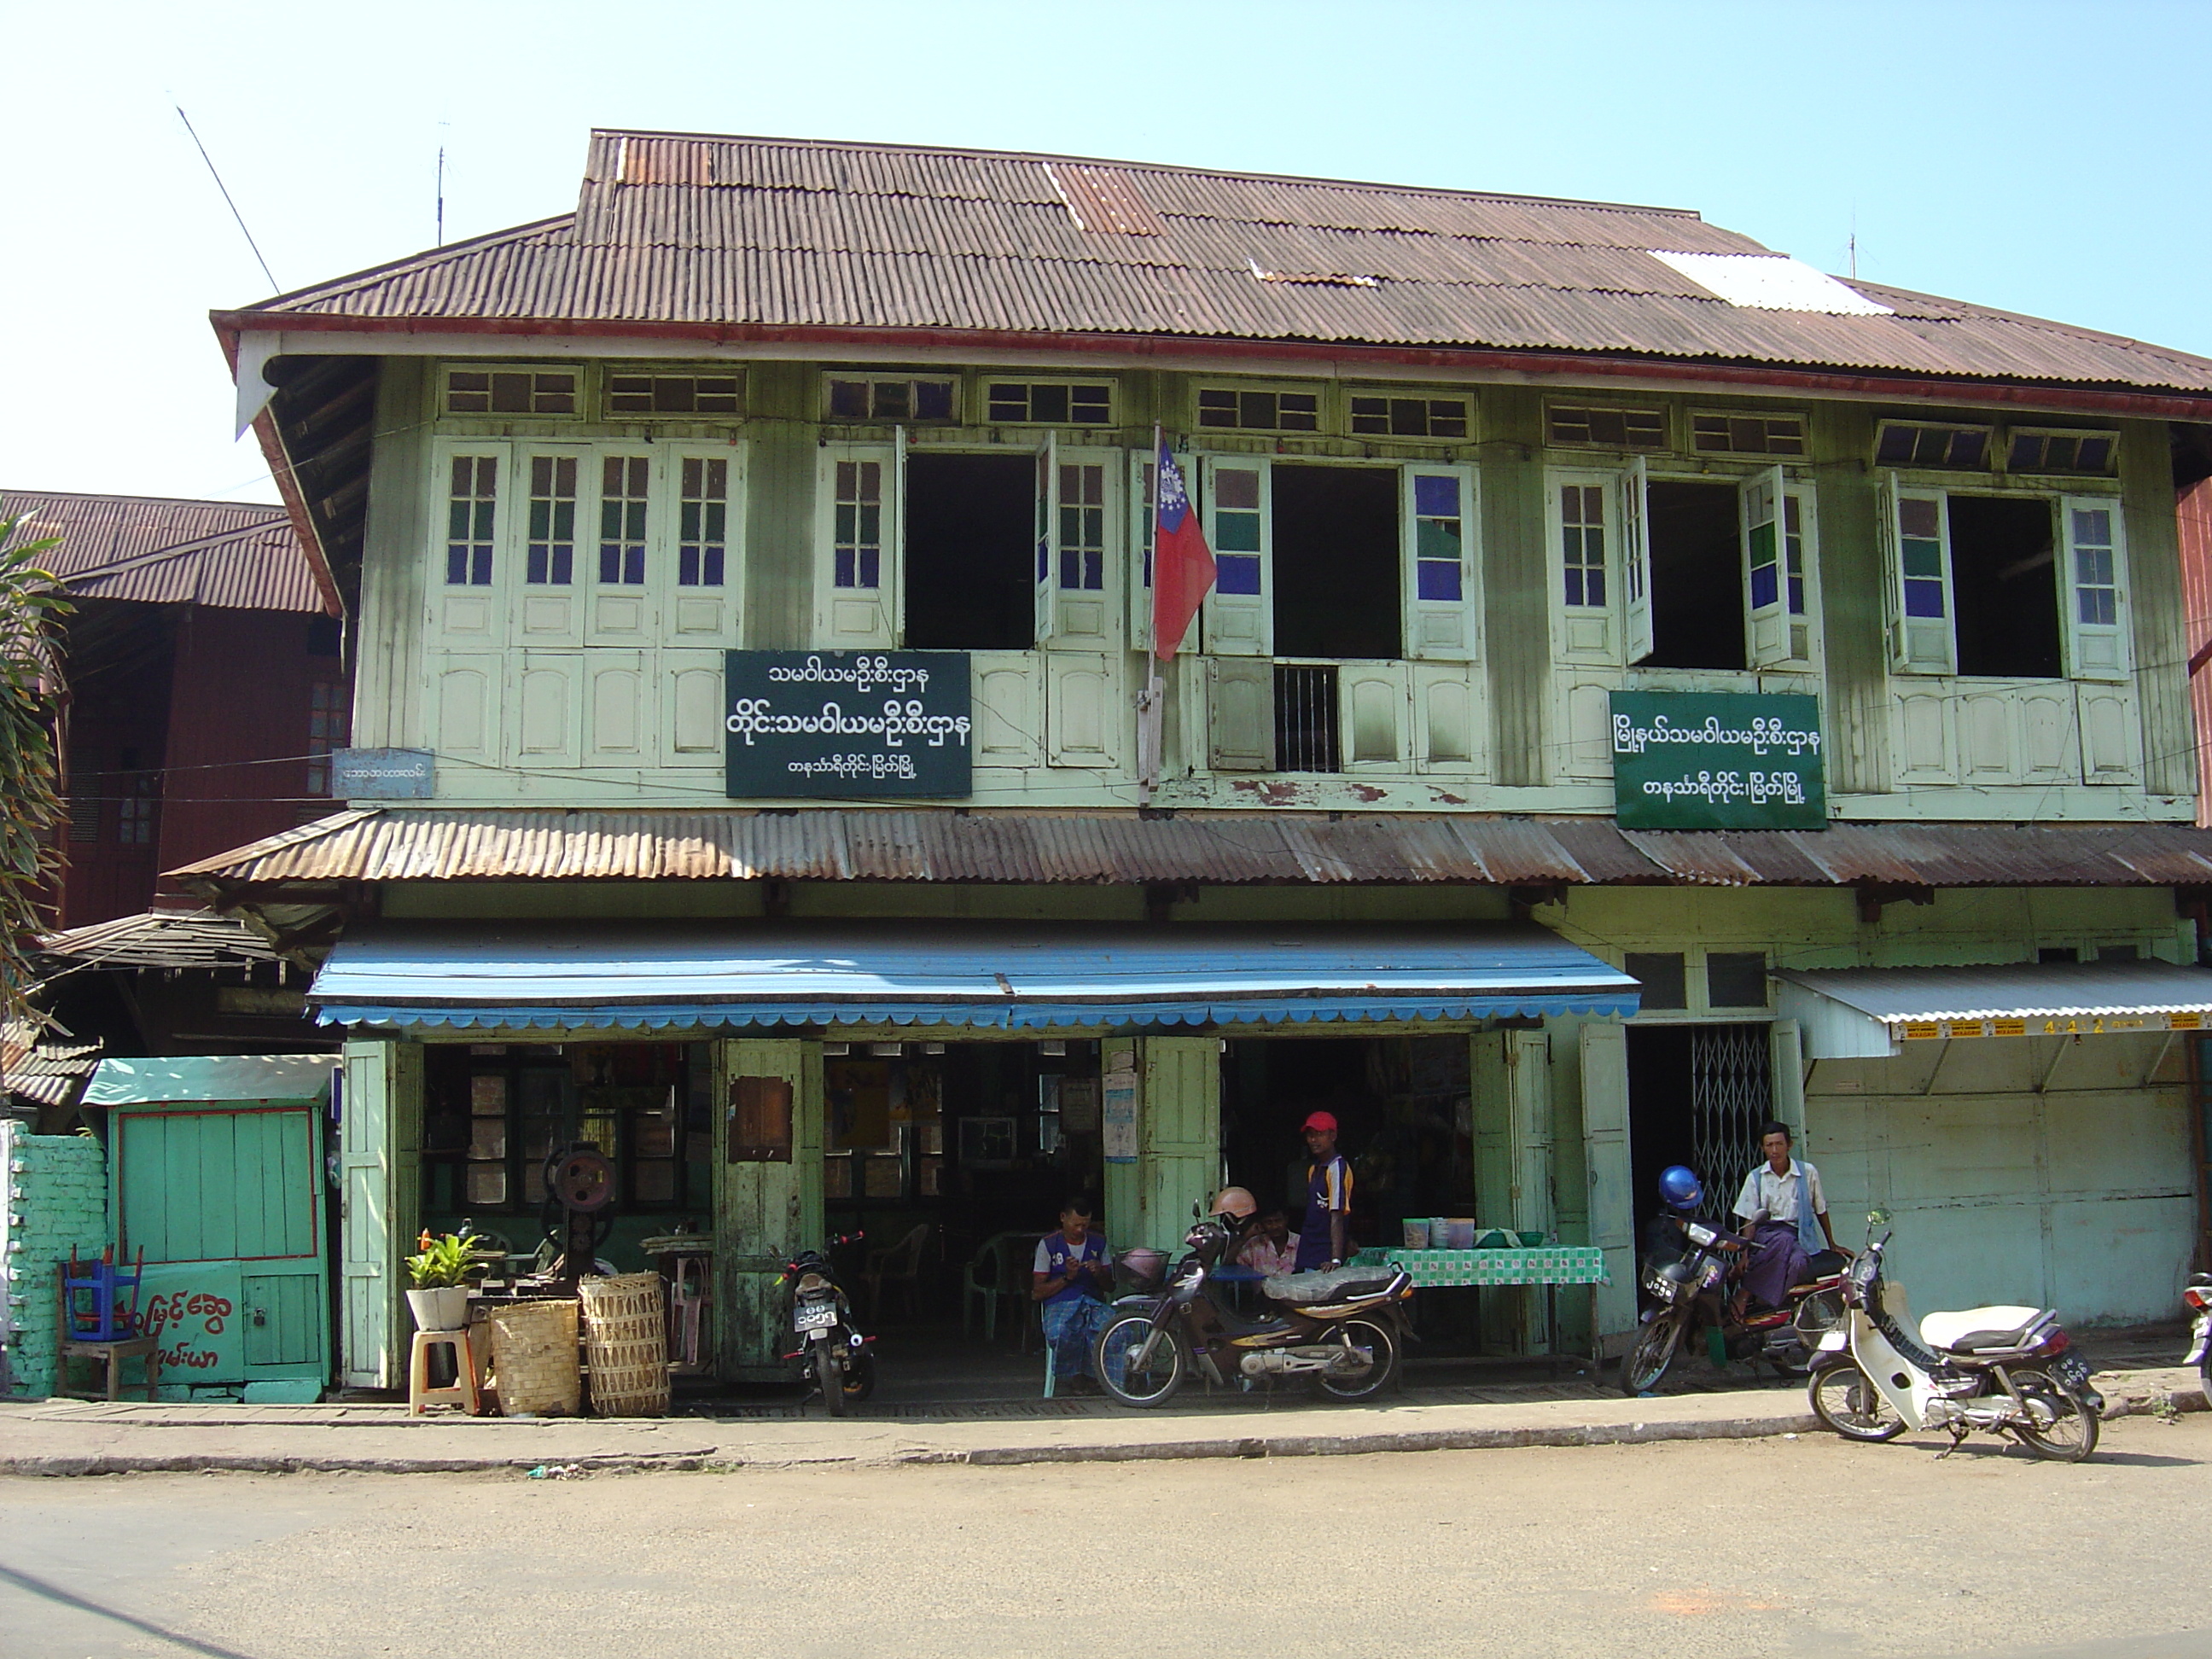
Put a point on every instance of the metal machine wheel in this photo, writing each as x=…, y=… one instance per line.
x=1376, y=1336
x=1845, y=1398
x=2071, y=1434
x=1114, y=1358
x=1645, y=1366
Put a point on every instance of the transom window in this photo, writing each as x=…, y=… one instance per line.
x=1438, y=536
x=1748, y=434
x=1582, y=426
x=673, y=394
x=1920, y=444
x=1259, y=411
x=859, y=524
x=899, y=399
x=549, y=554
x=624, y=481
x=702, y=538
x=511, y=391
x=1048, y=403
x=1236, y=530
x=2091, y=452
x=1581, y=520
x=472, y=505
x=1409, y=418
x=1082, y=528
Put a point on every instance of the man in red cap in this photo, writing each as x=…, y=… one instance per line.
x=1321, y=1241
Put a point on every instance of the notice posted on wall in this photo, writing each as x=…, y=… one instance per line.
x=848, y=724
x=1120, y=1114
x=1701, y=760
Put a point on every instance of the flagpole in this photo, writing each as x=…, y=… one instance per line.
x=1150, y=730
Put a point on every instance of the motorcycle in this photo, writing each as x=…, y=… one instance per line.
x=2197, y=1293
x=1344, y=1331
x=832, y=1355
x=1689, y=1294
x=2005, y=1370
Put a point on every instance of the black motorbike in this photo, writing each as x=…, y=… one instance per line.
x=1344, y=1331
x=832, y=1355
x=1687, y=1275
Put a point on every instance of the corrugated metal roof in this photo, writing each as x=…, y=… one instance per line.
x=371, y=844
x=2050, y=990
x=231, y=555
x=157, y=938
x=214, y=1078
x=721, y=231
x=994, y=976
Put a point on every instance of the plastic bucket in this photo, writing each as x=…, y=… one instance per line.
x=1416, y=1234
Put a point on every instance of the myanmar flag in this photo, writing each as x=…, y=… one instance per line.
x=1182, y=564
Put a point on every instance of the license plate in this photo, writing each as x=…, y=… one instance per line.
x=2072, y=1369
x=814, y=1316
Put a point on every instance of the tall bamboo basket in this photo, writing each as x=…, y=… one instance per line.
x=533, y=1359
x=626, y=1344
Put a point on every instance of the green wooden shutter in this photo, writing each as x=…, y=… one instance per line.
x=368, y=1262
x=1179, y=1129
x=764, y=1209
x=1611, y=1200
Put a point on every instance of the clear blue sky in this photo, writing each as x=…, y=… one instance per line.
x=2043, y=158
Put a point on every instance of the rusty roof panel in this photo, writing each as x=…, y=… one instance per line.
x=1122, y=849
x=238, y=556
x=715, y=231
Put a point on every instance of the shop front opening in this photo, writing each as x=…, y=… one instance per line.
x=963, y=1151
x=1405, y=1123
x=1697, y=1095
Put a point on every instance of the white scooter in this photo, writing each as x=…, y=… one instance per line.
x=2009, y=1370
x=2197, y=1293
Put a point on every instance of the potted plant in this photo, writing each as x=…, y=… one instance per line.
x=440, y=1276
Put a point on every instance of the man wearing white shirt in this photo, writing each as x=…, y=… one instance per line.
x=1785, y=1217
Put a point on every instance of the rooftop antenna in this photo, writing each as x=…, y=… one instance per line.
x=441, y=196
x=1854, y=244
x=274, y=285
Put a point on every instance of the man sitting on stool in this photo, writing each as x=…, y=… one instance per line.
x=1072, y=1277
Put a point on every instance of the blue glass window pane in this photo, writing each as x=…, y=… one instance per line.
x=712, y=577
x=457, y=566
x=1094, y=570
x=870, y=566
x=1765, y=588
x=844, y=566
x=687, y=568
x=1236, y=574
x=1436, y=497
x=1594, y=581
x=1439, y=580
x=1924, y=599
x=1796, y=596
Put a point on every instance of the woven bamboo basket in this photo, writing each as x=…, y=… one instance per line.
x=533, y=1359
x=626, y=1344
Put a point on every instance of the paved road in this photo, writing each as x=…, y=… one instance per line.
x=1610, y=1551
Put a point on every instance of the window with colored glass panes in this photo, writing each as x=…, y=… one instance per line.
x=703, y=526
x=1082, y=528
x=859, y=527
x=624, y=482
x=1438, y=536
x=471, y=512
x=549, y=552
x=1582, y=543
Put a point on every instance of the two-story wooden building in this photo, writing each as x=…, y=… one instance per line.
x=751, y=578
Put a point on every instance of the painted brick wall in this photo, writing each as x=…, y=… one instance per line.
x=57, y=1188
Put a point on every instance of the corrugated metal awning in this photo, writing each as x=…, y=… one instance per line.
x=1003, y=978
x=1108, y=848
x=1860, y=1013
x=211, y=1078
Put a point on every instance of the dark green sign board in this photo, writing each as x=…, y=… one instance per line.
x=1712, y=760
x=849, y=724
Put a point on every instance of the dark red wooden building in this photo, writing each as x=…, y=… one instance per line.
x=206, y=685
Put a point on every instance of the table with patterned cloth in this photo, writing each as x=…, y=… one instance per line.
x=1544, y=1264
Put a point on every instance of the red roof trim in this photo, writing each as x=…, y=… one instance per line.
x=2041, y=393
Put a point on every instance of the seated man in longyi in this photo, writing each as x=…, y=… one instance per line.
x=1072, y=1276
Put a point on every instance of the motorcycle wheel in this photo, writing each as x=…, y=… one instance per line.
x=2205, y=1373
x=860, y=1378
x=1845, y=1398
x=1645, y=1365
x=1116, y=1346
x=829, y=1379
x=2072, y=1433
x=1371, y=1334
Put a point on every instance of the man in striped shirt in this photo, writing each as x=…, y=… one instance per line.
x=1321, y=1240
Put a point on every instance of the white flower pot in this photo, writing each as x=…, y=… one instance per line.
x=446, y=1309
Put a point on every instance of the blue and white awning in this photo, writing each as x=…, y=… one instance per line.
x=494, y=975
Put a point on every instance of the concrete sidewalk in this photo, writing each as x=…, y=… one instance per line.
x=59, y=1436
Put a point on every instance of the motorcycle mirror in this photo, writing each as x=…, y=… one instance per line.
x=1877, y=1218
x=1196, y=1214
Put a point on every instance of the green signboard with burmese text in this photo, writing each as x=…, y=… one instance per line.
x=1714, y=760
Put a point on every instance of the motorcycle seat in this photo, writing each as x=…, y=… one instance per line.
x=1339, y=1285
x=1971, y=1330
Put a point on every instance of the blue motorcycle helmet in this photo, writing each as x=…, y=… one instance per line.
x=1679, y=1187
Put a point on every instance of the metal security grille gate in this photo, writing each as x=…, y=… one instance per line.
x=1731, y=1094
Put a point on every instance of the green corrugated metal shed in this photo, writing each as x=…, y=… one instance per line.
x=215, y=1171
